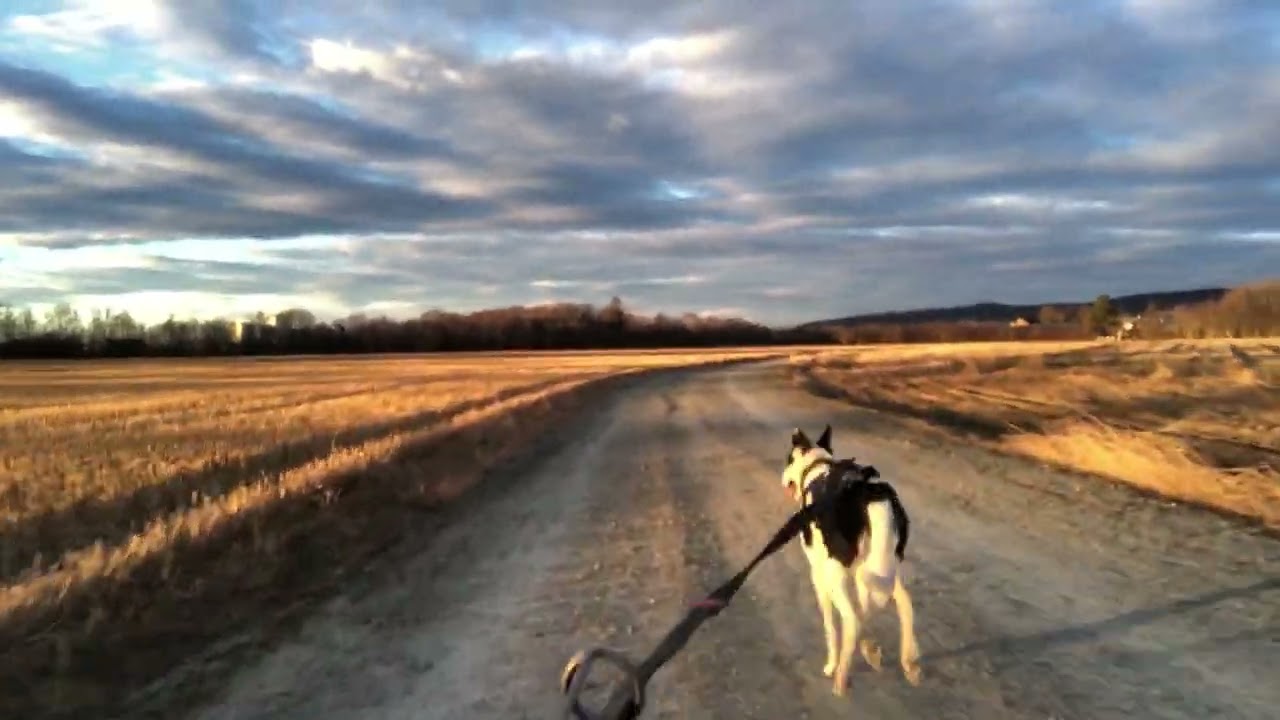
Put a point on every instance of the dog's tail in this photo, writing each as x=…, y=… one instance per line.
x=902, y=524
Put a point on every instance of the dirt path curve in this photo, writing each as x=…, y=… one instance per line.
x=1038, y=595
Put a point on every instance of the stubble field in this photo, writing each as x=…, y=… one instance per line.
x=1197, y=421
x=149, y=508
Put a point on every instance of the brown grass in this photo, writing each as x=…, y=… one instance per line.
x=1198, y=420
x=150, y=509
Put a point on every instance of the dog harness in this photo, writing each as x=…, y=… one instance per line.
x=844, y=519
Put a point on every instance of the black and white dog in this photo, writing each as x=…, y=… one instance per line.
x=862, y=536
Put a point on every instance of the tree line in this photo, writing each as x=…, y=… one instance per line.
x=63, y=333
x=1247, y=311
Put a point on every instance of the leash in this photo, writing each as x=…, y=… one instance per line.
x=627, y=699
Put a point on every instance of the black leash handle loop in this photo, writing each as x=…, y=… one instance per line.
x=625, y=702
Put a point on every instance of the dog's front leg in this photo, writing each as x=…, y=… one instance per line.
x=828, y=622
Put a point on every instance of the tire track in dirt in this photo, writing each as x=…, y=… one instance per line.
x=583, y=551
x=721, y=668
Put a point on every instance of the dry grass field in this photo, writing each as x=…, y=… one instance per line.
x=148, y=508
x=1198, y=421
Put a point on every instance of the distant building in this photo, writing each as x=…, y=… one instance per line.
x=1020, y=322
x=1127, y=327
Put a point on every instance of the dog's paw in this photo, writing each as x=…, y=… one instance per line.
x=829, y=668
x=871, y=653
x=911, y=671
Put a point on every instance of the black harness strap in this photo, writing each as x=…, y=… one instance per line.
x=839, y=474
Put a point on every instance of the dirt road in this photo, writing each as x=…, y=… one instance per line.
x=1037, y=595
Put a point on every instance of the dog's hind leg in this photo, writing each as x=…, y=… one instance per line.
x=906, y=623
x=870, y=649
x=849, y=627
x=828, y=622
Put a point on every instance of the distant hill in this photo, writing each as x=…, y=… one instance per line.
x=1001, y=312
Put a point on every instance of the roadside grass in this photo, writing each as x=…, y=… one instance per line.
x=1197, y=421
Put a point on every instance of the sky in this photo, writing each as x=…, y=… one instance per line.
x=783, y=161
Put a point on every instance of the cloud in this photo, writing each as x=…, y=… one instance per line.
x=616, y=284
x=212, y=176
x=89, y=23
x=276, y=117
x=794, y=162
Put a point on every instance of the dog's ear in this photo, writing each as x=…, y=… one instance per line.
x=824, y=440
x=800, y=440
x=869, y=471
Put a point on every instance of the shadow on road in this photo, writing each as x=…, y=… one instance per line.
x=1009, y=647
